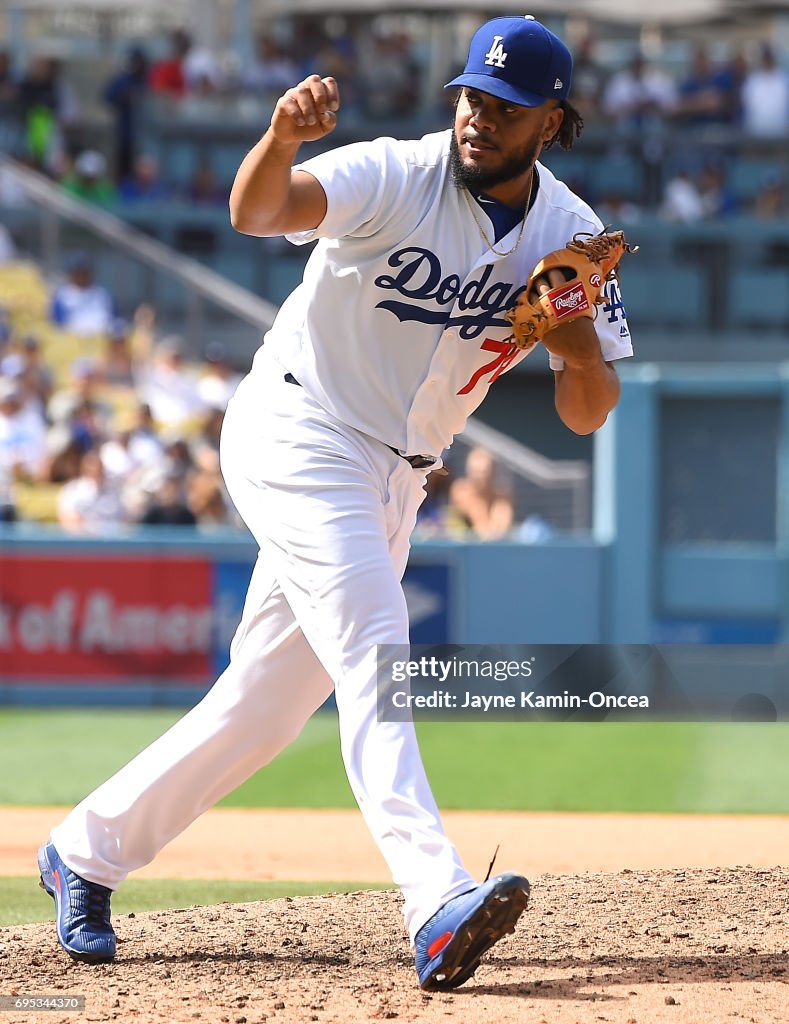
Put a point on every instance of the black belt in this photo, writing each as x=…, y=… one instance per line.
x=415, y=461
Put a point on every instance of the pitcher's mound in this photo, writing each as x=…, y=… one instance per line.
x=629, y=948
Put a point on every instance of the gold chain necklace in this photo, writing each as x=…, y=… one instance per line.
x=491, y=244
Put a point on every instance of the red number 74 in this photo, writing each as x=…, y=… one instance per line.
x=506, y=353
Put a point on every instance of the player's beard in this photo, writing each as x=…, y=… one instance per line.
x=481, y=179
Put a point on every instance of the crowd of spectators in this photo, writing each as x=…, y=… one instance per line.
x=127, y=432
x=129, y=435
x=382, y=76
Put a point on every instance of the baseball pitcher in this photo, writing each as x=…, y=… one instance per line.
x=440, y=264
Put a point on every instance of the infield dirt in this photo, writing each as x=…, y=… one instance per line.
x=664, y=940
x=631, y=948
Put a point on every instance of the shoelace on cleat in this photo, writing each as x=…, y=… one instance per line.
x=95, y=902
x=98, y=906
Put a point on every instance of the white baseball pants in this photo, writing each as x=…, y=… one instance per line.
x=332, y=511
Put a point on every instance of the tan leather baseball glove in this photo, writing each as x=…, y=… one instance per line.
x=587, y=262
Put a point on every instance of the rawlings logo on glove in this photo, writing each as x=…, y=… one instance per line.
x=586, y=263
x=568, y=300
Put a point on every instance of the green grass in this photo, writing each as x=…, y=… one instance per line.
x=23, y=902
x=56, y=757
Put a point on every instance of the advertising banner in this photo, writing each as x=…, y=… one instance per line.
x=121, y=617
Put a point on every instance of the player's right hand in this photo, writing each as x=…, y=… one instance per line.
x=306, y=112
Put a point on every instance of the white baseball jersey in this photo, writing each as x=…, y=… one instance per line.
x=397, y=328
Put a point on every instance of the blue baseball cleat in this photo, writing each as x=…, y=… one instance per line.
x=82, y=909
x=451, y=944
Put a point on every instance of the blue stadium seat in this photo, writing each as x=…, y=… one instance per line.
x=571, y=168
x=746, y=176
x=616, y=174
x=179, y=162
x=282, y=276
x=225, y=160
x=759, y=297
x=664, y=296
x=240, y=268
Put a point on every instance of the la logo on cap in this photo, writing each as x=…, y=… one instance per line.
x=496, y=56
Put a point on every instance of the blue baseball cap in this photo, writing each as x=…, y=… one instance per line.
x=519, y=60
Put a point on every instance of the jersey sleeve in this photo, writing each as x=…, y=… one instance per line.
x=362, y=182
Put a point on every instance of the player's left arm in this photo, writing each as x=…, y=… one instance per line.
x=587, y=388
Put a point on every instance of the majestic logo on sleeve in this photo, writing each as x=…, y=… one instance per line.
x=420, y=282
x=496, y=56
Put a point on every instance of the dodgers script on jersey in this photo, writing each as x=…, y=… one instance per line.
x=398, y=327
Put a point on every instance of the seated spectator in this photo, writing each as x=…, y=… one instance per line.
x=14, y=368
x=80, y=406
x=682, y=202
x=704, y=96
x=169, y=386
x=167, y=75
x=23, y=362
x=145, y=183
x=615, y=208
x=22, y=444
x=178, y=453
x=483, y=505
x=90, y=503
x=145, y=446
x=389, y=76
x=588, y=81
x=202, y=74
x=169, y=506
x=770, y=202
x=90, y=423
x=209, y=432
x=717, y=198
x=64, y=453
x=116, y=364
x=37, y=376
x=272, y=72
x=334, y=53
x=134, y=458
x=12, y=364
x=639, y=95
x=765, y=97
x=218, y=384
x=205, y=190
x=208, y=500
x=79, y=305
x=88, y=180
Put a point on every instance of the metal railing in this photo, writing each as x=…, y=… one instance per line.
x=201, y=285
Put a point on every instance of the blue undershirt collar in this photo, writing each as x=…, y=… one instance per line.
x=503, y=218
